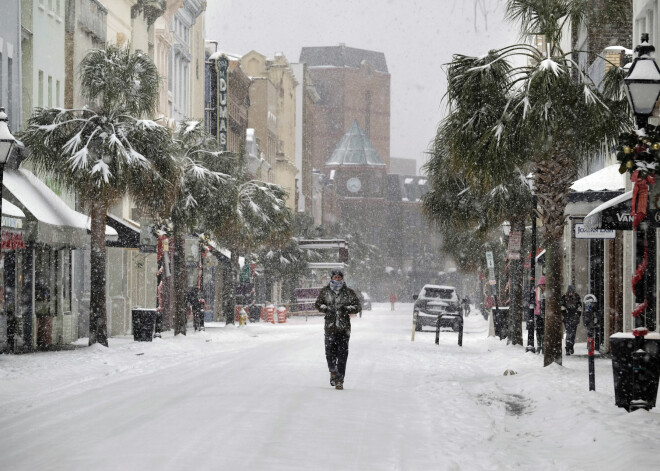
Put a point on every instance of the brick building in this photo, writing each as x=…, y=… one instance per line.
x=353, y=84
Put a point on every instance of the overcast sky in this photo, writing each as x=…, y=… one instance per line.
x=416, y=36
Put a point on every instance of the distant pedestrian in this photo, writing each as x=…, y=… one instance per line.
x=465, y=303
x=337, y=301
x=571, y=304
x=539, y=313
x=196, y=308
x=392, y=300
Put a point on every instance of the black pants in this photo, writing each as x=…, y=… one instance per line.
x=571, y=322
x=198, y=319
x=336, y=352
x=540, y=331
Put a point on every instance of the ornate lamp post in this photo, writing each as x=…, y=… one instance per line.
x=643, y=88
x=635, y=366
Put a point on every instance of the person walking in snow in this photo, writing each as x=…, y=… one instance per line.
x=539, y=312
x=392, y=300
x=571, y=304
x=337, y=301
x=196, y=308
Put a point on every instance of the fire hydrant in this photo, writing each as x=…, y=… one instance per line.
x=242, y=317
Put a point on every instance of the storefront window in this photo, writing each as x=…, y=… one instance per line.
x=45, y=283
x=66, y=279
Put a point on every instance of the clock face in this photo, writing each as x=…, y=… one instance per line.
x=354, y=184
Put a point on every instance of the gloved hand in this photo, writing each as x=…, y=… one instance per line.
x=323, y=308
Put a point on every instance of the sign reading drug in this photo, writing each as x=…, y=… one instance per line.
x=581, y=232
x=223, y=66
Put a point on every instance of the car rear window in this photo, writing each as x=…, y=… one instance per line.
x=438, y=293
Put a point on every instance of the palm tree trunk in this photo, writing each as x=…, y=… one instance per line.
x=98, y=322
x=179, y=273
x=554, y=255
x=517, y=273
x=230, y=285
x=553, y=179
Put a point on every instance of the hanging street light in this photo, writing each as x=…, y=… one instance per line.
x=643, y=82
x=7, y=142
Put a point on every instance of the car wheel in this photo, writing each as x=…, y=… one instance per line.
x=418, y=327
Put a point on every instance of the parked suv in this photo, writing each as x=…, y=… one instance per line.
x=438, y=300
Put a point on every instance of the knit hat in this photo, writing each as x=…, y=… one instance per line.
x=542, y=280
x=570, y=289
x=337, y=271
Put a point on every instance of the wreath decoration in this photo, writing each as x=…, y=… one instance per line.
x=639, y=152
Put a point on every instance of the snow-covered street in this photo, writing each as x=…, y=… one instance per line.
x=258, y=398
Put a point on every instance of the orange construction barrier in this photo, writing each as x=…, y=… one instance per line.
x=270, y=313
x=281, y=314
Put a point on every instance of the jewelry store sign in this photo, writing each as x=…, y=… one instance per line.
x=581, y=232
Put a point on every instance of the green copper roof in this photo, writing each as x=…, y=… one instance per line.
x=355, y=148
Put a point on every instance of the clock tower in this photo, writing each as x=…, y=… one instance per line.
x=357, y=174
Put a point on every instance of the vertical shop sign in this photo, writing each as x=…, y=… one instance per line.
x=223, y=66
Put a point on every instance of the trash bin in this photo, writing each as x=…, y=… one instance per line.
x=254, y=312
x=623, y=345
x=500, y=320
x=143, y=324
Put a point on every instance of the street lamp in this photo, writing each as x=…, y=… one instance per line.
x=643, y=87
x=643, y=82
x=7, y=142
x=531, y=318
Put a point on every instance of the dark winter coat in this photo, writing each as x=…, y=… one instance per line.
x=572, y=304
x=337, y=307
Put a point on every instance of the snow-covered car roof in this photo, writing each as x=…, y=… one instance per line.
x=439, y=287
x=451, y=290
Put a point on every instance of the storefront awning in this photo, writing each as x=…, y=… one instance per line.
x=49, y=220
x=9, y=209
x=613, y=214
x=128, y=233
x=596, y=188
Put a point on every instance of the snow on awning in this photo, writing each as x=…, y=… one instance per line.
x=594, y=189
x=11, y=210
x=128, y=232
x=326, y=265
x=613, y=214
x=56, y=223
x=605, y=179
x=540, y=257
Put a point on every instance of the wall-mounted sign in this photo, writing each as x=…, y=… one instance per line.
x=222, y=65
x=490, y=263
x=12, y=240
x=11, y=222
x=581, y=232
x=148, y=241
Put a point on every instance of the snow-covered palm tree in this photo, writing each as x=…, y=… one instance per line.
x=545, y=115
x=106, y=150
x=203, y=197
x=258, y=218
x=467, y=211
